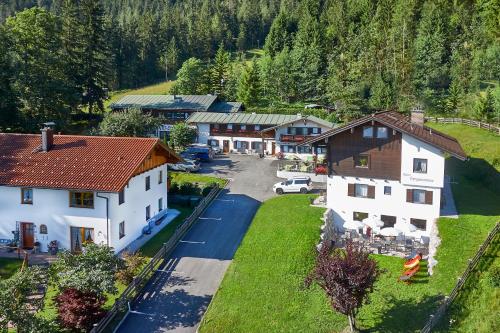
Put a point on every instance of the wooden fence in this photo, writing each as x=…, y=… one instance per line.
x=470, y=122
x=436, y=317
x=121, y=306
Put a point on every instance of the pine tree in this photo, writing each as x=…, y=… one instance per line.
x=249, y=87
x=219, y=72
x=96, y=55
x=280, y=35
x=8, y=96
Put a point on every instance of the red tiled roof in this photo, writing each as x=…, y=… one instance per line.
x=73, y=162
x=402, y=124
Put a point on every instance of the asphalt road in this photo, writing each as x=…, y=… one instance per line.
x=177, y=296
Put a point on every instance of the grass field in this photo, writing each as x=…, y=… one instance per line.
x=183, y=177
x=154, y=89
x=263, y=288
x=9, y=266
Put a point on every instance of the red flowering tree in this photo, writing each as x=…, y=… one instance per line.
x=79, y=310
x=347, y=276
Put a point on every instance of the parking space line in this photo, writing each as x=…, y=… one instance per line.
x=138, y=312
x=211, y=218
x=191, y=242
x=225, y=200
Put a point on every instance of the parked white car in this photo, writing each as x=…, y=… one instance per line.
x=187, y=166
x=296, y=184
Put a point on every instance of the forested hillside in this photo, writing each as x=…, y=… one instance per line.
x=357, y=56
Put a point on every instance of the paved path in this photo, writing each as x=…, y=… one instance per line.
x=178, y=295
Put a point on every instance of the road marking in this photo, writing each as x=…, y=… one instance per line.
x=191, y=242
x=138, y=312
x=211, y=218
x=225, y=200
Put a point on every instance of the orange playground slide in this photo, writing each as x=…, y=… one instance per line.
x=415, y=261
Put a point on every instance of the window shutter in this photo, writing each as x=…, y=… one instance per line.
x=409, y=195
x=371, y=192
x=350, y=190
x=428, y=197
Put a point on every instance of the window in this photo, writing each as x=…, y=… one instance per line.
x=148, y=183
x=361, y=161
x=160, y=176
x=257, y=145
x=419, y=165
x=420, y=224
x=257, y=127
x=160, y=204
x=303, y=149
x=27, y=196
x=121, y=230
x=419, y=196
x=287, y=149
x=389, y=221
x=358, y=216
x=289, y=182
x=148, y=212
x=316, y=130
x=382, y=133
x=361, y=190
x=243, y=127
x=121, y=196
x=387, y=190
x=302, y=181
x=321, y=150
x=229, y=127
x=80, y=237
x=43, y=229
x=368, y=132
x=213, y=143
x=81, y=199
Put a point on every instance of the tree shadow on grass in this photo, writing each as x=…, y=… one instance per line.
x=405, y=315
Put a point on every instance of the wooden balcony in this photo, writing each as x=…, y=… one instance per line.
x=241, y=133
x=294, y=138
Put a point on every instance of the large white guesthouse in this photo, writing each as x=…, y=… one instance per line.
x=388, y=167
x=76, y=189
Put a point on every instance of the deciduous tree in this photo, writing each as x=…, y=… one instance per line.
x=347, y=277
x=132, y=122
x=182, y=135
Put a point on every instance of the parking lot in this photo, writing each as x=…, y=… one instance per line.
x=177, y=296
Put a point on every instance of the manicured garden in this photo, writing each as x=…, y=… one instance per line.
x=263, y=289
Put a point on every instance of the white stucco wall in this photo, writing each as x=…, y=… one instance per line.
x=395, y=204
x=51, y=207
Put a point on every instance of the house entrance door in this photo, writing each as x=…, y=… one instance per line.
x=28, y=235
x=225, y=146
x=273, y=148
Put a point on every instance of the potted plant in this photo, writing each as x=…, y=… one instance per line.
x=36, y=247
x=53, y=247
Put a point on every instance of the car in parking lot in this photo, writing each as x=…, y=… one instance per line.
x=186, y=165
x=204, y=153
x=294, y=185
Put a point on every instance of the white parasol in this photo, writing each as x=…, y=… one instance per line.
x=406, y=228
x=389, y=232
x=353, y=225
x=373, y=222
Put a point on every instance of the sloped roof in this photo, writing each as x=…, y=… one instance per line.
x=166, y=102
x=401, y=123
x=93, y=163
x=226, y=107
x=251, y=118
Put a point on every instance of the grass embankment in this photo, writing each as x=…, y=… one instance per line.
x=263, y=288
x=155, y=89
x=183, y=177
x=9, y=266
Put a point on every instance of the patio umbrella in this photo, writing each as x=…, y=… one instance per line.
x=389, y=232
x=373, y=222
x=353, y=225
x=406, y=228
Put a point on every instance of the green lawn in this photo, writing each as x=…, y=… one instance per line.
x=9, y=266
x=154, y=89
x=262, y=290
x=183, y=177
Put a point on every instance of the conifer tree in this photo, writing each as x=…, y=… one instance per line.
x=248, y=87
x=219, y=72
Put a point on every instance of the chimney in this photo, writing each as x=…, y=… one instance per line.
x=417, y=116
x=47, y=136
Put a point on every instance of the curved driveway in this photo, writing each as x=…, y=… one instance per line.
x=178, y=295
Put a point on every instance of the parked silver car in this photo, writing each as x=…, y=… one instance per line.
x=186, y=166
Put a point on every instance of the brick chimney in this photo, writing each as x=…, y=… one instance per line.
x=417, y=116
x=47, y=136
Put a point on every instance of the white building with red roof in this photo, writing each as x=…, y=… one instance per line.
x=76, y=189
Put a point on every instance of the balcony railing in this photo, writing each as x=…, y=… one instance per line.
x=294, y=138
x=241, y=133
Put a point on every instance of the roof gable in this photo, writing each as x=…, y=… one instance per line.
x=401, y=123
x=74, y=162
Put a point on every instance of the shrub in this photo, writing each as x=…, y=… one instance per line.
x=133, y=263
x=189, y=189
x=174, y=188
x=209, y=187
x=79, y=310
x=320, y=170
x=494, y=276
